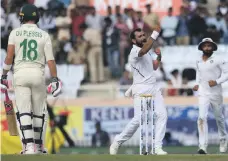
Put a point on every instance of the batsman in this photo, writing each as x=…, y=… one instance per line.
x=30, y=48
x=212, y=71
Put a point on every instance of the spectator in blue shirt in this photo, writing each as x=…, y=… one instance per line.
x=182, y=28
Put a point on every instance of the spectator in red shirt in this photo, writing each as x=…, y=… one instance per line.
x=124, y=32
x=78, y=18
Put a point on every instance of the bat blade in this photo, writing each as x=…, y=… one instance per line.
x=11, y=118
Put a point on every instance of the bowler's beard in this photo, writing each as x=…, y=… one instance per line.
x=207, y=53
x=140, y=44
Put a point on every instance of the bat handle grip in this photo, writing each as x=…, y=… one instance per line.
x=7, y=96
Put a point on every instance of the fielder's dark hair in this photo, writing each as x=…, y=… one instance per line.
x=132, y=34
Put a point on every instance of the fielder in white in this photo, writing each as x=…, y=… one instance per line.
x=211, y=73
x=144, y=82
x=30, y=48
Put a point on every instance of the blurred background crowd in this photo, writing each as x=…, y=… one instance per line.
x=80, y=35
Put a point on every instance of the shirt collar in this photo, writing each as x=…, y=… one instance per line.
x=136, y=47
x=29, y=25
x=211, y=57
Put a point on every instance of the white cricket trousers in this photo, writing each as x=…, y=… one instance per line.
x=160, y=124
x=30, y=93
x=214, y=102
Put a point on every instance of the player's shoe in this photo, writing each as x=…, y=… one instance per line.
x=40, y=149
x=30, y=149
x=223, y=146
x=22, y=152
x=45, y=151
x=113, y=150
x=202, y=151
x=160, y=151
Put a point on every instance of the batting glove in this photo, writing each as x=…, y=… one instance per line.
x=4, y=83
x=55, y=87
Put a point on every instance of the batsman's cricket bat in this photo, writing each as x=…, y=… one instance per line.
x=10, y=115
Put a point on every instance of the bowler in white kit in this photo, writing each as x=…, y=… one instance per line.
x=212, y=71
x=144, y=82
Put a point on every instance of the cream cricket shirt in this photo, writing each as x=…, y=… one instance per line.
x=213, y=69
x=143, y=71
x=33, y=47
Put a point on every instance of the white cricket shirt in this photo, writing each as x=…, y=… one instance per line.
x=33, y=47
x=212, y=69
x=143, y=72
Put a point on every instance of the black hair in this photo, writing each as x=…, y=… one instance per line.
x=175, y=71
x=118, y=15
x=132, y=34
x=108, y=20
x=98, y=124
x=219, y=14
x=83, y=26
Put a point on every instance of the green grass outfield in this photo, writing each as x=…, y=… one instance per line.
x=126, y=154
x=212, y=149
x=81, y=157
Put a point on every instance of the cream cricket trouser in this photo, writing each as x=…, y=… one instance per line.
x=161, y=120
x=96, y=67
x=215, y=102
x=30, y=93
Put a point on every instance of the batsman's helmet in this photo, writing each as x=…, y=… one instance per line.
x=29, y=12
x=207, y=40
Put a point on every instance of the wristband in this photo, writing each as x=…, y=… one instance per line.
x=6, y=67
x=154, y=35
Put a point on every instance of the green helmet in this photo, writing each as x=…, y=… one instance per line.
x=29, y=12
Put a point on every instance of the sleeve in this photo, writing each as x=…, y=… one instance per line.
x=176, y=22
x=224, y=27
x=11, y=38
x=134, y=55
x=48, y=49
x=197, y=73
x=224, y=67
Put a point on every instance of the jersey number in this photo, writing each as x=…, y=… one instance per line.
x=32, y=48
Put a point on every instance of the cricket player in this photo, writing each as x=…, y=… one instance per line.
x=211, y=73
x=30, y=48
x=144, y=82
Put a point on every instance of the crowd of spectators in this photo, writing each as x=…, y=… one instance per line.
x=80, y=35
